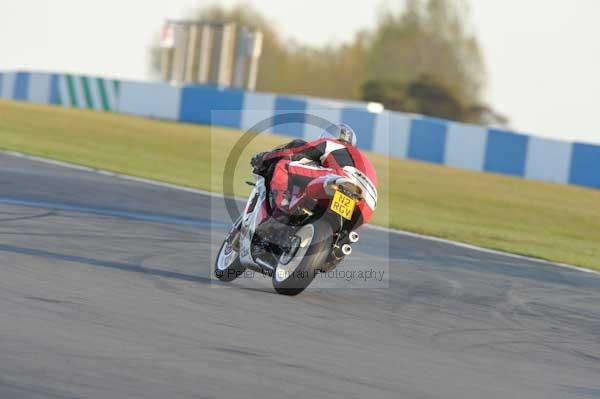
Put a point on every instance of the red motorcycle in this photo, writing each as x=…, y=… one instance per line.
x=314, y=238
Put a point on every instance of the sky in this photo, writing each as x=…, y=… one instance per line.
x=542, y=56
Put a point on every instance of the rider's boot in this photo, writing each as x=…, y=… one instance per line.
x=280, y=211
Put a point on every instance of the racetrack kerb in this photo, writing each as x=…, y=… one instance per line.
x=548, y=221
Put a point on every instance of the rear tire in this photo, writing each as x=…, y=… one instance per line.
x=294, y=280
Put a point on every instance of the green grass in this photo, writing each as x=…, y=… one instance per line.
x=553, y=222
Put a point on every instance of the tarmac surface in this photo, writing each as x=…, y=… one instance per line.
x=106, y=292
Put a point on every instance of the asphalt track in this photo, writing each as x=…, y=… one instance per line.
x=105, y=293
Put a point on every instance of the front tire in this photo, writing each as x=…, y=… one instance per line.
x=292, y=277
x=227, y=265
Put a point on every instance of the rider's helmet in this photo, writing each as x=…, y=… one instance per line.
x=341, y=132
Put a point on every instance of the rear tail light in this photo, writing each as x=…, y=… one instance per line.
x=344, y=185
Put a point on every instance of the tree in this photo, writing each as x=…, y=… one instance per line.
x=425, y=96
x=429, y=38
x=423, y=58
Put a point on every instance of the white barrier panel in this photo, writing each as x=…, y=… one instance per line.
x=257, y=108
x=8, y=85
x=156, y=100
x=95, y=95
x=465, y=146
x=78, y=86
x=39, y=88
x=548, y=160
x=87, y=92
x=392, y=134
x=63, y=92
x=329, y=111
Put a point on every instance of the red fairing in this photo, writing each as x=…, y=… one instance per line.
x=290, y=152
x=365, y=211
x=286, y=170
x=315, y=188
x=332, y=155
x=363, y=164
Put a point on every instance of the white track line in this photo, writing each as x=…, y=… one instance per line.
x=214, y=195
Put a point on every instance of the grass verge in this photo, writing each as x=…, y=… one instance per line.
x=547, y=221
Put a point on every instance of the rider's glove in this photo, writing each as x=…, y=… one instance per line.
x=257, y=160
x=257, y=163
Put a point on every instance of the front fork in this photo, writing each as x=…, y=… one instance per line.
x=235, y=234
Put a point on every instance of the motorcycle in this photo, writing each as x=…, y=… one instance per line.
x=315, y=236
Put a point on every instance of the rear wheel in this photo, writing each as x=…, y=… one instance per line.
x=308, y=252
x=228, y=266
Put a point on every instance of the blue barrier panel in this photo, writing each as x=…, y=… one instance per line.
x=427, y=141
x=506, y=152
x=285, y=105
x=585, y=165
x=54, y=89
x=211, y=105
x=21, y=86
x=1, y=76
x=363, y=123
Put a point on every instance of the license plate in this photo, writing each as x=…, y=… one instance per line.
x=342, y=205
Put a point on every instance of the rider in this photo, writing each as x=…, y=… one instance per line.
x=295, y=163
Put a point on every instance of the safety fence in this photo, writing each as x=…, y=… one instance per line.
x=391, y=133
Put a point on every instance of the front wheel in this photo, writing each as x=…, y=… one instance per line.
x=228, y=266
x=308, y=252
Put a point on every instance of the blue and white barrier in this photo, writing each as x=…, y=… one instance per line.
x=392, y=133
x=61, y=89
x=159, y=100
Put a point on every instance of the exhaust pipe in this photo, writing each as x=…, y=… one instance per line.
x=346, y=249
x=353, y=237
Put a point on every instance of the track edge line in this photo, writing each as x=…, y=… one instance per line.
x=215, y=195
